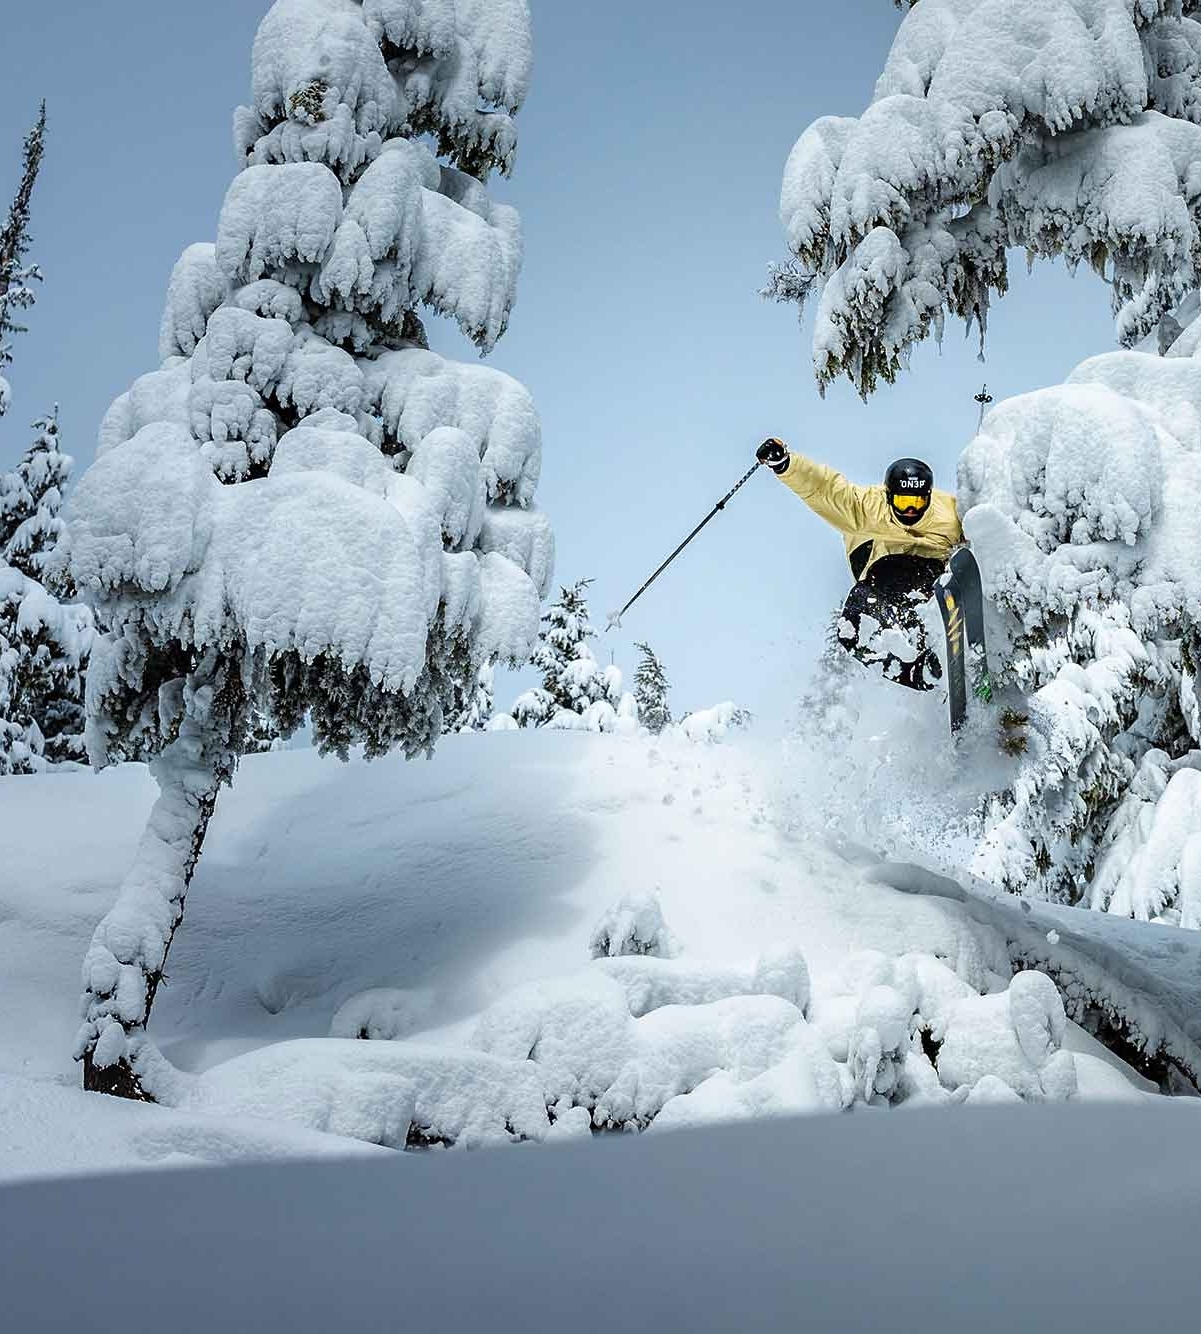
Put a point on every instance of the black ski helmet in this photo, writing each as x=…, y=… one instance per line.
x=908, y=477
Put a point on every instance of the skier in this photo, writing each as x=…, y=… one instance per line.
x=898, y=538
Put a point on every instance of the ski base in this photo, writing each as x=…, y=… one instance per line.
x=960, y=599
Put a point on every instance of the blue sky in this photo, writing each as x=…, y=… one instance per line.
x=652, y=149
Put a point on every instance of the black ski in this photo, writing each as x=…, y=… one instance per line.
x=961, y=602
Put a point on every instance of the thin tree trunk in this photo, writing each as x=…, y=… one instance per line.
x=127, y=958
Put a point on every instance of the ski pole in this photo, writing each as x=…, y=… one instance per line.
x=615, y=616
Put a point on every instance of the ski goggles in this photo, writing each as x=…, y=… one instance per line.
x=903, y=501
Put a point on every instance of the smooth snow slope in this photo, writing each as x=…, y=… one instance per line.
x=1042, y=1220
x=445, y=888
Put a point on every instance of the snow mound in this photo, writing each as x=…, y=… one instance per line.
x=391, y=1094
x=381, y=1014
x=1014, y=1038
x=634, y=925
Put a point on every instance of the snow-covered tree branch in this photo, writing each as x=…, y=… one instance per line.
x=1066, y=127
x=304, y=511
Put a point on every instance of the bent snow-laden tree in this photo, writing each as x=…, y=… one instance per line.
x=304, y=510
x=1065, y=127
x=1070, y=127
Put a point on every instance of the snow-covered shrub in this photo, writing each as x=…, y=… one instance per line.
x=594, y=1053
x=383, y=1014
x=714, y=724
x=911, y=1031
x=397, y=1094
x=634, y=925
x=534, y=708
x=1065, y=127
x=651, y=688
x=651, y=982
x=503, y=722
x=1014, y=1037
x=305, y=510
x=627, y=722
x=1150, y=856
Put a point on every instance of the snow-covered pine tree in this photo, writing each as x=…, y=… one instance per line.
x=1065, y=127
x=17, y=277
x=46, y=639
x=1081, y=503
x=572, y=679
x=480, y=707
x=43, y=644
x=1070, y=128
x=304, y=505
x=651, y=688
x=31, y=498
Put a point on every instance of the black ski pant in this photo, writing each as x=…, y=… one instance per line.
x=890, y=594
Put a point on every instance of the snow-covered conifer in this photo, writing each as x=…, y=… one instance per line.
x=534, y=708
x=478, y=713
x=16, y=276
x=44, y=645
x=1065, y=127
x=651, y=688
x=572, y=679
x=31, y=497
x=1081, y=503
x=44, y=648
x=304, y=506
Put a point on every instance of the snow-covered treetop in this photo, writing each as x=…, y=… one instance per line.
x=16, y=276
x=355, y=74
x=31, y=497
x=1068, y=127
x=302, y=480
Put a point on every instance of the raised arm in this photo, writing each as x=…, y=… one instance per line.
x=827, y=493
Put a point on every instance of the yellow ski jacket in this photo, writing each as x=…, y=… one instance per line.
x=862, y=514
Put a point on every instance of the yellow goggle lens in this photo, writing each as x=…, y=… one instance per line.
x=902, y=501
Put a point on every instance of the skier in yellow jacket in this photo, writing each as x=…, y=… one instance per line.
x=898, y=539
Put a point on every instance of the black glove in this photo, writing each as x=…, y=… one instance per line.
x=774, y=453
